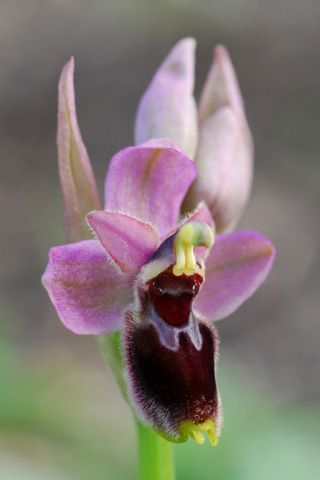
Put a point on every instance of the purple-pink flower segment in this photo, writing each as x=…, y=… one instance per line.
x=154, y=276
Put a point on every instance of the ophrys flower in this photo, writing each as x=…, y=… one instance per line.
x=151, y=274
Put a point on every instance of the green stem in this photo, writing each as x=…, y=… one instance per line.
x=110, y=348
x=156, y=460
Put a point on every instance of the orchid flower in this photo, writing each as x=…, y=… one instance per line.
x=159, y=277
x=216, y=135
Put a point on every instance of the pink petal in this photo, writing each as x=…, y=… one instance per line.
x=129, y=242
x=225, y=166
x=88, y=292
x=221, y=87
x=149, y=183
x=237, y=265
x=167, y=108
x=76, y=176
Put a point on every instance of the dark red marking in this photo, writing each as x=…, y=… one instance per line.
x=172, y=296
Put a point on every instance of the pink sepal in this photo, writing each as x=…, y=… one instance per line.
x=237, y=265
x=76, y=175
x=89, y=293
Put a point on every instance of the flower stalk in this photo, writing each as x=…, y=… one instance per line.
x=109, y=345
x=156, y=458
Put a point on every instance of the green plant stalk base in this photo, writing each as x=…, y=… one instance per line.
x=156, y=460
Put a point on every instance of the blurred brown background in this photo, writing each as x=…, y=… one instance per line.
x=54, y=385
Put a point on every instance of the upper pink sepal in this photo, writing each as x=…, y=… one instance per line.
x=237, y=265
x=149, y=183
x=76, y=175
x=221, y=87
x=130, y=242
x=89, y=293
x=167, y=108
x=224, y=156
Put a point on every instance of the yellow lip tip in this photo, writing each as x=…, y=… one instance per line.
x=196, y=432
x=213, y=439
x=198, y=437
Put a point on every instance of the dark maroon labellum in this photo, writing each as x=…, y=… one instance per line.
x=172, y=387
x=170, y=357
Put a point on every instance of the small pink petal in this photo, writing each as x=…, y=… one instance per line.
x=237, y=265
x=76, y=176
x=129, y=242
x=88, y=292
x=221, y=87
x=167, y=108
x=149, y=183
x=225, y=166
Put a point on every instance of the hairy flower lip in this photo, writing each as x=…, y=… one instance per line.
x=169, y=388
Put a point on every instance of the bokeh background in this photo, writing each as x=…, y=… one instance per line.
x=61, y=415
